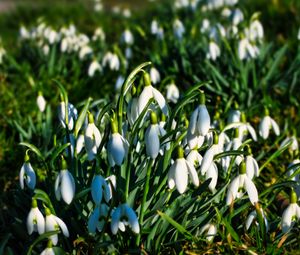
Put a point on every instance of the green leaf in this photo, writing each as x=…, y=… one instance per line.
x=34, y=149
x=175, y=224
x=57, y=152
x=41, y=238
x=43, y=196
x=81, y=117
x=4, y=242
x=231, y=231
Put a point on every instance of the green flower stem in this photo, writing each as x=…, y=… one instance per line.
x=146, y=190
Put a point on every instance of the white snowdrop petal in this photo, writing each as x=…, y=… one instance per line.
x=116, y=148
x=212, y=173
x=30, y=178
x=115, y=220
x=161, y=101
x=250, y=219
x=193, y=122
x=93, y=219
x=251, y=190
x=133, y=220
x=208, y=159
x=29, y=222
x=203, y=120
x=232, y=190
x=264, y=127
x=252, y=132
x=144, y=98
x=171, y=177
x=286, y=222
x=67, y=186
x=181, y=175
x=212, y=231
x=275, y=127
x=152, y=141
x=57, y=187
x=97, y=189
x=40, y=221
x=193, y=173
x=62, y=225
x=21, y=177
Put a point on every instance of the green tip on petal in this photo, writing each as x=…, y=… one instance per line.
x=202, y=98
x=47, y=211
x=91, y=118
x=26, y=158
x=236, y=133
x=40, y=93
x=217, y=115
x=114, y=126
x=153, y=118
x=242, y=168
x=293, y=197
x=49, y=244
x=216, y=137
x=236, y=105
x=163, y=117
x=247, y=150
x=133, y=90
x=180, y=152
x=147, y=80
x=63, y=163
x=34, y=203
x=243, y=117
x=267, y=113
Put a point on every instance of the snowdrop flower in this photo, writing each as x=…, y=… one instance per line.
x=35, y=220
x=290, y=214
x=132, y=110
x=98, y=218
x=127, y=37
x=46, y=49
x=27, y=173
x=237, y=16
x=294, y=143
x=211, y=231
x=205, y=26
x=179, y=172
x=119, y=82
x=194, y=158
x=72, y=115
x=252, y=168
x=154, y=75
x=256, y=31
x=172, y=93
x=253, y=215
x=41, y=102
x=99, y=34
x=79, y=143
x=24, y=33
x=178, y=29
x=92, y=138
x=128, y=53
x=2, y=54
x=154, y=27
x=99, y=189
x=235, y=145
x=152, y=136
x=124, y=215
x=111, y=60
x=266, y=124
x=151, y=92
x=213, y=51
x=64, y=184
x=194, y=140
x=245, y=127
x=242, y=181
x=117, y=147
x=200, y=119
x=84, y=51
x=49, y=250
x=94, y=66
x=246, y=50
x=234, y=115
x=209, y=155
x=212, y=173
x=54, y=223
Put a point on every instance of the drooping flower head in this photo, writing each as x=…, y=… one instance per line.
x=35, y=220
x=27, y=173
x=266, y=124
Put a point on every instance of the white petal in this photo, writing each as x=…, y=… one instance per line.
x=203, y=120
x=212, y=173
x=232, y=190
x=93, y=219
x=208, y=159
x=171, y=177
x=21, y=176
x=251, y=190
x=97, y=189
x=132, y=218
x=57, y=189
x=62, y=225
x=264, y=127
x=252, y=168
x=286, y=221
x=116, y=148
x=29, y=221
x=193, y=173
x=181, y=175
x=161, y=101
x=152, y=141
x=144, y=98
x=30, y=177
x=115, y=219
x=50, y=226
x=252, y=132
x=275, y=127
x=250, y=219
x=193, y=121
x=67, y=186
x=212, y=231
